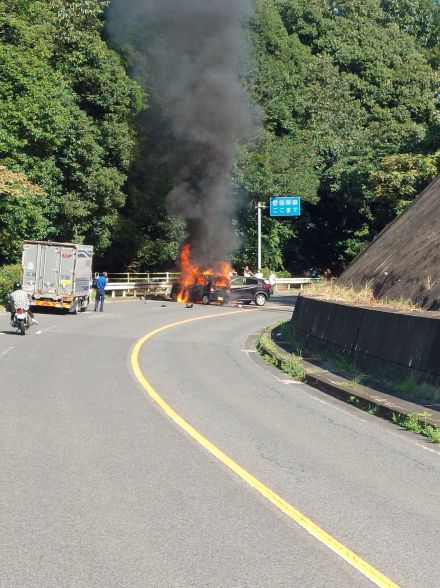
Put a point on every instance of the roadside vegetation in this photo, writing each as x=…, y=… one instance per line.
x=364, y=297
x=9, y=275
x=348, y=103
x=292, y=364
x=417, y=423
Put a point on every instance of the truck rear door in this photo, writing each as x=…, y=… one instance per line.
x=53, y=273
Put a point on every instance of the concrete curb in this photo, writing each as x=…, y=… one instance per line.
x=358, y=395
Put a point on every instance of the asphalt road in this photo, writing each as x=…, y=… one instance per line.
x=100, y=488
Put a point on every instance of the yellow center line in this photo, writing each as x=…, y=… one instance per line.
x=349, y=556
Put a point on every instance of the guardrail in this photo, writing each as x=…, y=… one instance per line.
x=142, y=283
x=299, y=282
x=161, y=282
x=145, y=277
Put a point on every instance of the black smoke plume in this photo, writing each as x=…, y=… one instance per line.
x=194, y=52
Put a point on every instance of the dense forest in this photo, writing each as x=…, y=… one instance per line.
x=346, y=98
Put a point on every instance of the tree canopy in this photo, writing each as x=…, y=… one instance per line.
x=67, y=108
x=346, y=92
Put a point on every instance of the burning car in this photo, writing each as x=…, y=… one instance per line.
x=212, y=289
x=213, y=284
x=198, y=283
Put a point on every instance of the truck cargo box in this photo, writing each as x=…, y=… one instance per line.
x=57, y=274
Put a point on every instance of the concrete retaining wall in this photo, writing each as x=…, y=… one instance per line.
x=393, y=345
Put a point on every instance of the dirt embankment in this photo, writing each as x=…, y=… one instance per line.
x=403, y=262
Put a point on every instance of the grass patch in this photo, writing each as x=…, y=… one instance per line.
x=293, y=366
x=284, y=329
x=411, y=386
x=291, y=363
x=342, y=363
x=417, y=423
x=364, y=297
x=365, y=406
x=356, y=381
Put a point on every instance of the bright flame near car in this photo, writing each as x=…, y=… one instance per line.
x=194, y=274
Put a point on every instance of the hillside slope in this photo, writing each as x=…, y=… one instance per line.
x=404, y=259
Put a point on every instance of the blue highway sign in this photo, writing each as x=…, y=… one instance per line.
x=285, y=206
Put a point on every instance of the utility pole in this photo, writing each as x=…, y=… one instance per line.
x=260, y=207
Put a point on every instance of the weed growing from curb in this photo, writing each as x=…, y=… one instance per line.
x=417, y=423
x=372, y=409
x=291, y=364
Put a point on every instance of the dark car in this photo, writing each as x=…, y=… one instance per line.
x=209, y=291
x=248, y=289
x=205, y=293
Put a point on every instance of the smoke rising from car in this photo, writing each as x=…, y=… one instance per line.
x=194, y=52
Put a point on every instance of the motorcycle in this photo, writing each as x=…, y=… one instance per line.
x=21, y=321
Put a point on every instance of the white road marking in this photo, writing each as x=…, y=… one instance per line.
x=247, y=351
x=289, y=381
x=3, y=353
x=428, y=448
x=52, y=328
x=102, y=315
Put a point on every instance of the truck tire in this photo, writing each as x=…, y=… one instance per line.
x=84, y=304
x=74, y=307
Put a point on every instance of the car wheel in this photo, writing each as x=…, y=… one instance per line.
x=205, y=299
x=260, y=299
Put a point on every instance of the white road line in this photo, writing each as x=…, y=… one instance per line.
x=3, y=353
x=427, y=448
x=289, y=381
x=101, y=316
x=52, y=328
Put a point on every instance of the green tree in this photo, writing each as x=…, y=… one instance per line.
x=22, y=214
x=352, y=87
x=68, y=110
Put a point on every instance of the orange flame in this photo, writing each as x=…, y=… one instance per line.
x=194, y=274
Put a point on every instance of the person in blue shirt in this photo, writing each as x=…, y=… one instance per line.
x=101, y=283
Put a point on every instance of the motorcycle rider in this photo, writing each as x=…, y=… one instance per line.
x=20, y=300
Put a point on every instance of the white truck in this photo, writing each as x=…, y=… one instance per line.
x=57, y=275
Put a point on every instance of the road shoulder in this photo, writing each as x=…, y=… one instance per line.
x=380, y=402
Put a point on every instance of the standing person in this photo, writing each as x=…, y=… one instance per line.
x=20, y=300
x=259, y=274
x=101, y=283
x=247, y=272
x=272, y=281
x=328, y=274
